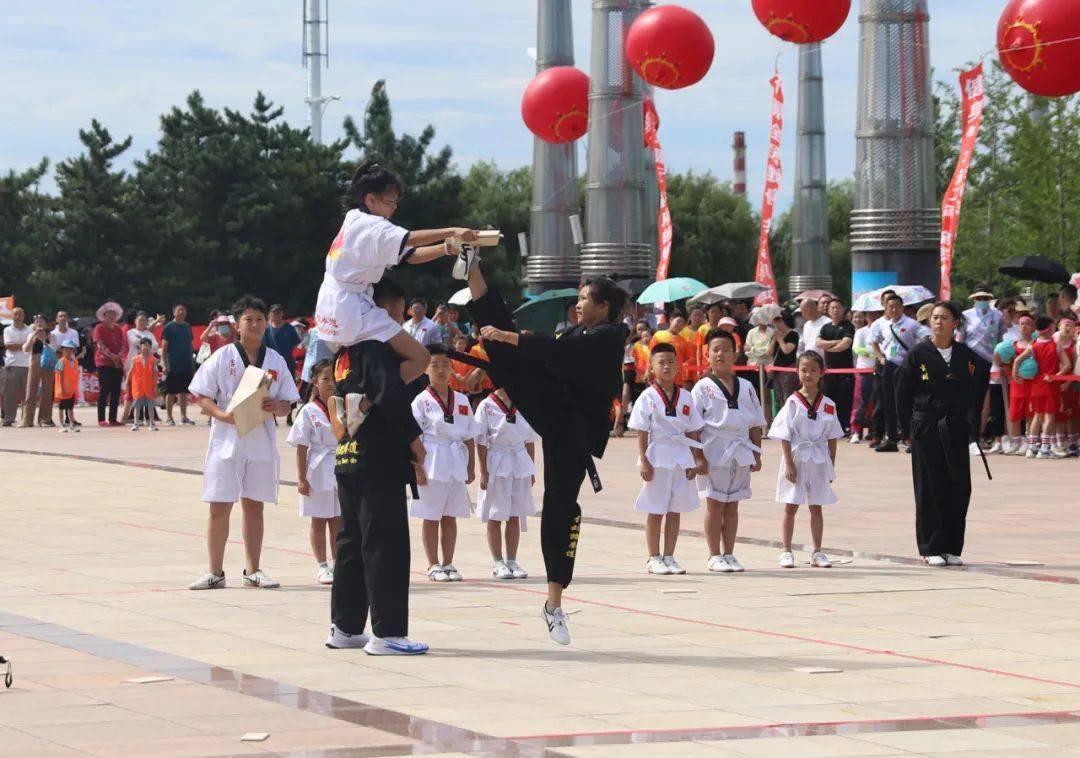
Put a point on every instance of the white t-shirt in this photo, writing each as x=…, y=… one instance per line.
x=427, y=332
x=57, y=337
x=810, y=332
x=444, y=440
x=669, y=447
x=861, y=343
x=946, y=353
x=218, y=379
x=505, y=441
x=16, y=356
x=896, y=339
x=134, y=337
x=364, y=248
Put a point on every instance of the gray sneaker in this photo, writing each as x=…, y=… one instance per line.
x=208, y=581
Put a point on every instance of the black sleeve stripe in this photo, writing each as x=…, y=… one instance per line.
x=405, y=252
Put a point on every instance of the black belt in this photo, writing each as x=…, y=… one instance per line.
x=942, y=424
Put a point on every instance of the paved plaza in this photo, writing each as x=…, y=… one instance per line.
x=102, y=531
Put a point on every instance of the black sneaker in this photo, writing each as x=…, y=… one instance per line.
x=887, y=446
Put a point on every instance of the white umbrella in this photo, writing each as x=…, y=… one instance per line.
x=461, y=297
x=911, y=294
x=729, y=291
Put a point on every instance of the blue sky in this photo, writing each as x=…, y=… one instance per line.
x=459, y=65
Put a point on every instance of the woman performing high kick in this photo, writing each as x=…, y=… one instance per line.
x=566, y=388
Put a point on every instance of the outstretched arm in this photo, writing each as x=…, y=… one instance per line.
x=430, y=236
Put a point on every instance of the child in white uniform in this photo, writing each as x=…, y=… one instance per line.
x=449, y=433
x=507, y=451
x=366, y=246
x=669, y=456
x=240, y=468
x=316, y=447
x=808, y=429
x=733, y=420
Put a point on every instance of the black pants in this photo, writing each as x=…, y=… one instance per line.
x=560, y=522
x=941, y=472
x=996, y=420
x=886, y=420
x=109, y=380
x=866, y=397
x=841, y=388
x=372, y=567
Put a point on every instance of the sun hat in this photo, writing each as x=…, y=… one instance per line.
x=109, y=305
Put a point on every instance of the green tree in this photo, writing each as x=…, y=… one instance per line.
x=500, y=200
x=715, y=232
x=25, y=216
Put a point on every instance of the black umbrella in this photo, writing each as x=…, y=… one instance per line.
x=1035, y=268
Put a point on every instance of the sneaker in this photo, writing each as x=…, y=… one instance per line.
x=324, y=575
x=820, y=560
x=466, y=261
x=656, y=565
x=1032, y=452
x=887, y=446
x=936, y=561
x=134, y=427
x=63, y=430
x=437, y=574
x=787, y=560
x=517, y=570
x=100, y=423
x=452, y=573
x=556, y=624
x=1055, y=453
x=169, y=422
x=153, y=428
x=733, y=562
x=354, y=417
x=718, y=564
x=115, y=423
x=1074, y=451
x=77, y=428
x=47, y=423
x=673, y=565
x=208, y=581
x=339, y=640
x=258, y=578
x=855, y=439
x=394, y=646
x=953, y=560
x=996, y=449
x=187, y=422
x=500, y=570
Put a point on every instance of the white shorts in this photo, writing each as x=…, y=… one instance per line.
x=505, y=498
x=345, y=318
x=226, y=480
x=668, y=492
x=439, y=499
x=320, y=504
x=725, y=484
x=812, y=486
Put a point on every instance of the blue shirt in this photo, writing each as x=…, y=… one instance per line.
x=180, y=354
x=284, y=340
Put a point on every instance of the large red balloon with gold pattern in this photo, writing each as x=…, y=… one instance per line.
x=670, y=47
x=802, y=21
x=1031, y=46
x=555, y=105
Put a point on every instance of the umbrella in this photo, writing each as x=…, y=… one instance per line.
x=670, y=290
x=545, y=311
x=633, y=286
x=729, y=291
x=1035, y=268
x=109, y=305
x=461, y=297
x=811, y=295
x=910, y=294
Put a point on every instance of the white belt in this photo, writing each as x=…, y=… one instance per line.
x=804, y=450
x=363, y=288
x=737, y=441
x=518, y=447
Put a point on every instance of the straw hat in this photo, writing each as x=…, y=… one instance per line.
x=924, y=312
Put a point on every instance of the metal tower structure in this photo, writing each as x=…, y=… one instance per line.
x=553, y=260
x=810, y=234
x=615, y=182
x=896, y=223
x=316, y=55
x=738, y=147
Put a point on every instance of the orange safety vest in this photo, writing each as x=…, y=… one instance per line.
x=143, y=378
x=67, y=379
x=479, y=352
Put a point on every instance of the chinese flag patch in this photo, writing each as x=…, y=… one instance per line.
x=273, y=374
x=830, y=409
x=463, y=410
x=686, y=410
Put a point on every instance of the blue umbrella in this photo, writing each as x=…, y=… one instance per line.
x=670, y=290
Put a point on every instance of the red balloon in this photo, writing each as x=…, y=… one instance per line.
x=670, y=47
x=555, y=105
x=802, y=21
x=1028, y=45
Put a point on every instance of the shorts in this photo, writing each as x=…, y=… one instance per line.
x=226, y=480
x=440, y=499
x=320, y=504
x=1070, y=405
x=506, y=497
x=177, y=382
x=668, y=492
x=725, y=484
x=813, y=484
x=1046, y=402
x=345, y=318
x=1019, y=406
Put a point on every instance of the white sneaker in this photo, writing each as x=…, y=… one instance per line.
x=259, y=579
x=856, y=440
x=1056, y=453
x=437, y=574
x=556, y=624
x=935, y=560
x=1032, y=452
x=995, y=449
x=394, y=646
x=500, y=570
x=656, y=565
x=673, y=565
x=733, y=562
x=787, y=560
x=63, y=430
x=134, y=427
x=820, y=560
x=953, y=560
x=354, y=417
x=718, y=564
x=466, y=261
x=339, y=640
x=208, y=581
x=517, y=570
x=170, y=422
x=324, y=574
x=153, y=427
x=452, y=573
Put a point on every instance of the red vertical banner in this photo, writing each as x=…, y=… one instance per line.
x=973, y=90
x=652, y=140
x=763, y=271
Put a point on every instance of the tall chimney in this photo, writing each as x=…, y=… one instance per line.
x=553, y=259
x=738, y=185
x=614, y=178
x=810, y=234
x=896, y=223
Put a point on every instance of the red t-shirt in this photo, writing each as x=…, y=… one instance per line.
x=112, y=340
x=1046, y=356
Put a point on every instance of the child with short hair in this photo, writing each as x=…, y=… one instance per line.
x=733, y=418
x=1068, y=419
x=449, y=432
x=506, y=446
x=1045, y=393
x=315, y=443
x=142, y=385
x=669, y=457
x=66, y=386
x=808, y=429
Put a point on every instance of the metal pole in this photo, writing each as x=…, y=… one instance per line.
x=312, y=59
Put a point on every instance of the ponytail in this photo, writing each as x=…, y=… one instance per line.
x=370, y=177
